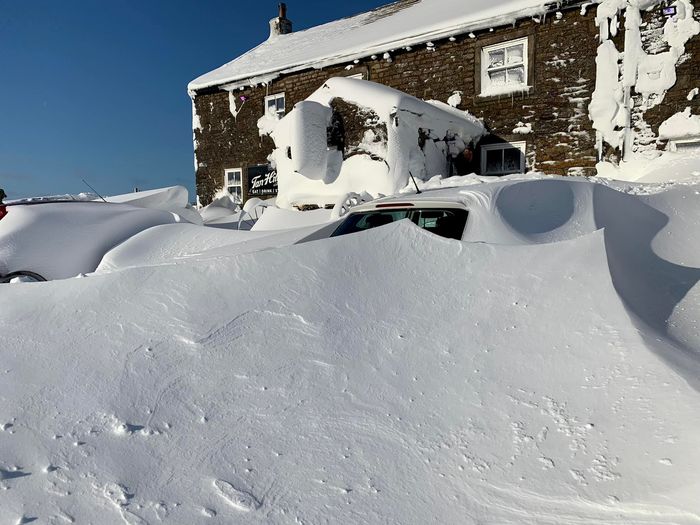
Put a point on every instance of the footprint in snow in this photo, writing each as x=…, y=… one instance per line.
x=238, y=499
x=13, y=473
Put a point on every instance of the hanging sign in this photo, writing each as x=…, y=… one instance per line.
x=669, y=11
x=262, y=180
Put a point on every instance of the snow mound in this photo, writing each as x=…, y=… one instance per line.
x=279, y=219
x=174, y=199
x=671, y=166
x=63, y=239
x=410, y=136
x=543, y=373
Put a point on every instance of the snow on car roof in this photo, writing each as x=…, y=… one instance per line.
x=424, y=198
x=401, y=24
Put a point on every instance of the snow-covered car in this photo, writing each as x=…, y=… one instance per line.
x=46, y=240
x=438, y=212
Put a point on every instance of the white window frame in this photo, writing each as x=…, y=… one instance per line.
x=358, y=76
x=694, y=142
x=520, y=146
x=487, y=88
x=234, y=186
x=279, y=113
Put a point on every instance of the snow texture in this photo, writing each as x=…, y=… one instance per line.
x=455, y=99
x=543, y=371
x=309, y=172
x=523, y=129
x=681, y=125
x=174, y=199
x=62, y=240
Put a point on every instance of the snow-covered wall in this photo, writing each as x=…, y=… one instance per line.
x=420, y=137
x=632, y=70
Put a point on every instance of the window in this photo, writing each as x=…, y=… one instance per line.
x=274, y=105
x=358, y=76
x=685, y=145
x=504, y=67
x=501, y=159
x=233, y=182
x=445, y=222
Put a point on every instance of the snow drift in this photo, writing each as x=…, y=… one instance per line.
x=63, y=239
x=543, y=372
x=409, y=136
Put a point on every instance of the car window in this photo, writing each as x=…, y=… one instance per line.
x=447, y=222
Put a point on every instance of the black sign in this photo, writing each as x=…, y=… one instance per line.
x=262, y=180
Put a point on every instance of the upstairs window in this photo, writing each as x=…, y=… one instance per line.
x=233, y=182
x=274, y=105
x=504, y=67
x=502, y=159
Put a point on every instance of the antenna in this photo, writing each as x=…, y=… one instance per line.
x=93, y=189
x=414, y=182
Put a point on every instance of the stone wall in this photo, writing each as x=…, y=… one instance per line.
x=562, y=66
x=676, y=99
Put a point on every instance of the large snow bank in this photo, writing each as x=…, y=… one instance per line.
x=175, y=243
x=669, y=167
x=223, y=206
x=63, y=239
x=310, y=172
x=388, y=376
x=280, y=219
x=375, y=32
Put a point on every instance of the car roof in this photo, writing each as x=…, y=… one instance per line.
x=438, y=198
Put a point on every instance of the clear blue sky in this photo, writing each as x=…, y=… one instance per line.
x=97, y=89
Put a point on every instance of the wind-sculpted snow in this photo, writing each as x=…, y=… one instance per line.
x=650, y=241
x=384, y=377
x=60, y=240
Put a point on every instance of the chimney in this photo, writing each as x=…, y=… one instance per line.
x=280, y=25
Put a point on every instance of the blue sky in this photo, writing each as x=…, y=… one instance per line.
x=96, y=89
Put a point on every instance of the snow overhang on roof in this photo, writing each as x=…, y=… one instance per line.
x=394, y=26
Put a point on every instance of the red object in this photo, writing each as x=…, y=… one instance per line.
x=394, y=205
x=3, y=211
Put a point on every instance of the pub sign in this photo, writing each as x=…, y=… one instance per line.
x=262, y=181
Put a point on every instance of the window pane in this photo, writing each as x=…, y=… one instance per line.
x=494, y=161
x=428, y=218
x=445, y=223
x=687, y=146
x=515, y=54
x=516, y=75
x=271, y=103
x=498, y=78
x=511, y=160
x=497, y=58
x=280, y=104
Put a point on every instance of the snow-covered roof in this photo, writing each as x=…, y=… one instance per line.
x=397, y=25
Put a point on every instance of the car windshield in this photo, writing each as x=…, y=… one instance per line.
x=445, y=222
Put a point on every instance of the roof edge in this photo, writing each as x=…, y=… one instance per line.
x=236, y=82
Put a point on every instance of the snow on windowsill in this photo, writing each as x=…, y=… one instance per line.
x=497, y=92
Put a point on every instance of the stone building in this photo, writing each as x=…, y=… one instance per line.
x=528, y=68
